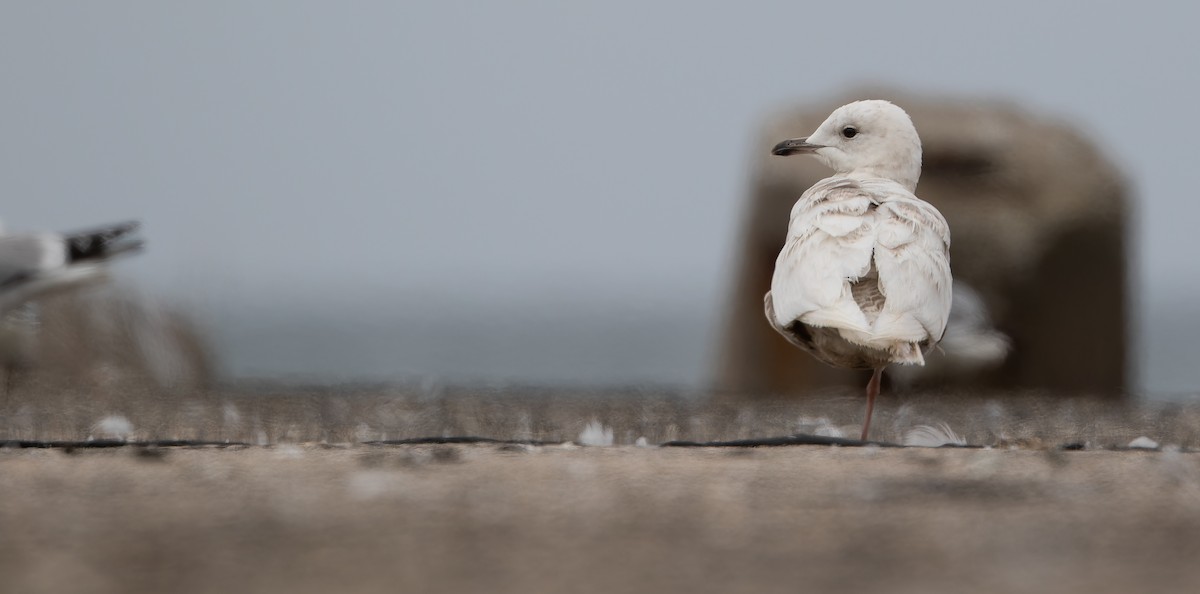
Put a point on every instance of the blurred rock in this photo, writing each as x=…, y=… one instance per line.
x=1038, y=218
x=103, y=338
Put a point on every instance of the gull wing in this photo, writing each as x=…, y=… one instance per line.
x=829, y=244
x=912, y=256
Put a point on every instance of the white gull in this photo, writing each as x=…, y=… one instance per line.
x=863, y=279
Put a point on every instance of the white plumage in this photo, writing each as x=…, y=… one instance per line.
x=863, y=279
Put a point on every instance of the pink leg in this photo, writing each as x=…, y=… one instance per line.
x=872, y=392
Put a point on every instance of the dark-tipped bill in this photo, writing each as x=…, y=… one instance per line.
x=795, y=146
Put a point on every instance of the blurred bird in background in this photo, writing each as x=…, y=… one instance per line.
x=37, y=265
x=34, y=265
x=48, y=326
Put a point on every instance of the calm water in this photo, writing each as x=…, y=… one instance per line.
x=554, y=346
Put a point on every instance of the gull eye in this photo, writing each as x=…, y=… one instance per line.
x=849, y=131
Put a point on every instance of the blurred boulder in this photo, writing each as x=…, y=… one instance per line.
x=103, y=338
x=1038, y=219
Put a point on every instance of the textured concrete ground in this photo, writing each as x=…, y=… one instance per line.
x=623, y=519
x=298, y=515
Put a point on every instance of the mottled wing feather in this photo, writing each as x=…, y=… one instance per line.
x=912, y=257
x=830, y=239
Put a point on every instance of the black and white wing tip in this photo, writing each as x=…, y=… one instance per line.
x=102, y=243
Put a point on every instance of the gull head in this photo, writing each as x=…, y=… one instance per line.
x=864, y=139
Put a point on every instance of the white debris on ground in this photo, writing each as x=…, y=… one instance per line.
x=1143, y=443
x=928, y=436
x=820, y=426
x=113, y=427
x=596, y=434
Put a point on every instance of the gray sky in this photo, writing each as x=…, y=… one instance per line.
x=503, y=165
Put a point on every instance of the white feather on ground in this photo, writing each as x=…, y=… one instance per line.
x=1143, y=443
x=928, y=436
x=113, y=427
x=596, y=434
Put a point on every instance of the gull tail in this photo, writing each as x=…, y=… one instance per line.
x=907, y=353
x=102, y=243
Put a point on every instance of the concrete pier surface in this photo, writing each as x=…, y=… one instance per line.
x=298, y=518
x=311, y=514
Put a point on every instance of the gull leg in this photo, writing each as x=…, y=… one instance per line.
x=872, y=392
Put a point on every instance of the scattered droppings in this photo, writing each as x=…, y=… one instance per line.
x=928, y=436
x=1143, y=443
x=596, y=435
